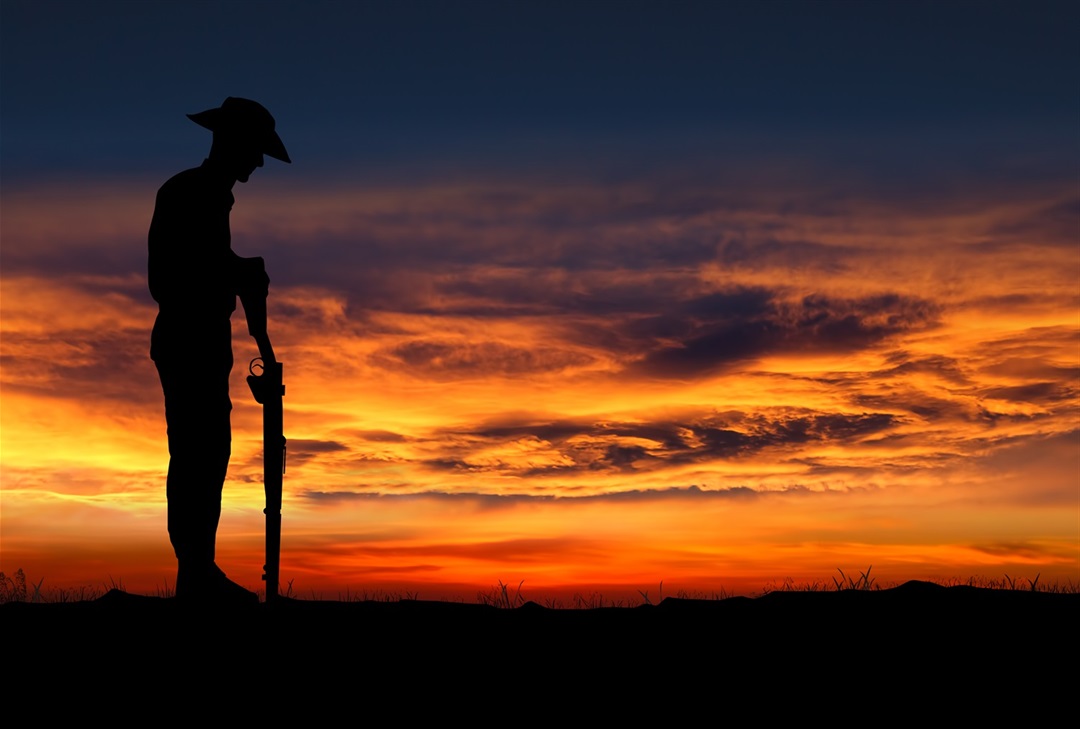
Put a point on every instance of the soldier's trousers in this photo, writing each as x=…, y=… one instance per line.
x=197, y=410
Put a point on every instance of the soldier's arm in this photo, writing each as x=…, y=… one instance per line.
x=253, y=286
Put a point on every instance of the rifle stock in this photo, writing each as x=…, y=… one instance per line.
x=269, y=390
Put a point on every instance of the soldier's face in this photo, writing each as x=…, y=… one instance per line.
x=239, y=153
x=249, y=161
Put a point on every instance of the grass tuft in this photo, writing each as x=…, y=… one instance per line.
x=645, y=595
x=500, y=596
x=863, y=582
x=13, y=589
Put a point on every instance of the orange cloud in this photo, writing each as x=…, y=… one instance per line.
x=524, y=382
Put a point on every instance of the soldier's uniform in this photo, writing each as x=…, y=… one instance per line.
x=195, y=277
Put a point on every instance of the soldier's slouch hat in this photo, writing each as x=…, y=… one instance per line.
x=248, y=118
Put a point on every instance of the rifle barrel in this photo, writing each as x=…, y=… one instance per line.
x=269, y=389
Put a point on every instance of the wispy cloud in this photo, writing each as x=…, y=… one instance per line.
x=483, y=348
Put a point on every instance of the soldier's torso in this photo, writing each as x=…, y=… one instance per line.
x=190, y=270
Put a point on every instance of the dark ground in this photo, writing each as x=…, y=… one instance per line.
x=917, y=642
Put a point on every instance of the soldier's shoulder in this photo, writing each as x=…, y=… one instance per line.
x=188, y=180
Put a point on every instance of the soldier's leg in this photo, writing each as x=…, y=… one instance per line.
x=197, y=410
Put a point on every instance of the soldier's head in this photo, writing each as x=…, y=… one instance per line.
x=243, y=134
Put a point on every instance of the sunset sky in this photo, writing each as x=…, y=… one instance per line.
x=592, y=295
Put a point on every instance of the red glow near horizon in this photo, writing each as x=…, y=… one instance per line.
x=502, y=415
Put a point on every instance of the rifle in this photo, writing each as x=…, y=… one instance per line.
x=269, y=389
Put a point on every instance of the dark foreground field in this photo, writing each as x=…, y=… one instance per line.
x=918, y=632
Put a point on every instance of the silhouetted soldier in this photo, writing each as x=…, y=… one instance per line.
x=195, y=277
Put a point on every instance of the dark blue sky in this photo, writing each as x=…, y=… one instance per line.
x=604, y=88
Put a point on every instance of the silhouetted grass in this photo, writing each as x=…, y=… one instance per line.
x=500, y=596
x=17, y=588
x=846, y=582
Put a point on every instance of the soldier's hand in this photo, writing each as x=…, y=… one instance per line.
x=266, y=350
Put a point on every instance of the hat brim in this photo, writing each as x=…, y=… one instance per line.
x=274, y=147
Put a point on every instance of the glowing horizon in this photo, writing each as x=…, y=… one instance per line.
x=582, y=387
